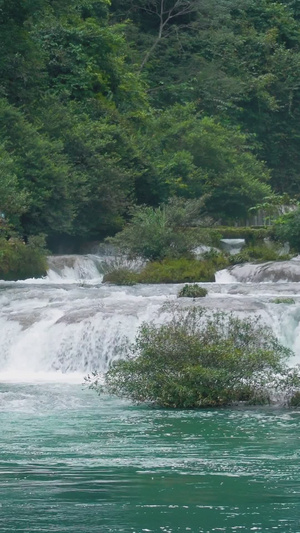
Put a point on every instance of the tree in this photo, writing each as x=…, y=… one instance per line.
x=13, y=200
x=71, y=148
x=197, y=156
x=166, y=11
x=237, y=61
x=161, y=232
x=21, y=261
x=287, y=228
x=213, y=114
x=42, y=173
x=104, y=161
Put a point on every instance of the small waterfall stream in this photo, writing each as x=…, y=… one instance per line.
x=69, y=323
x=74, y=268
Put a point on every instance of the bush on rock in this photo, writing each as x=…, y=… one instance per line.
x=197, y=359
x=192, y=291
x=181, y=270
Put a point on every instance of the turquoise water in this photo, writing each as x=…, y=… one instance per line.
x=73, y=462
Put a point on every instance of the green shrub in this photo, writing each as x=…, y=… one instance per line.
x=197, y=359
x=259, y=253
x=177, y=271
x=192, y=291
x=156, y=233
x=121, y=276
x=183, y=270
x=287, y=229
x=283, y=301
x=217, y=259
x=21, y=261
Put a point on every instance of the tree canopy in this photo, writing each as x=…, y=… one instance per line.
x=105, y=105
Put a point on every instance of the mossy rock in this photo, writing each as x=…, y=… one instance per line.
x=192, y=291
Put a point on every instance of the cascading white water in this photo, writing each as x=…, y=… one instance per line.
x=71, y=324
x=74, y=268
x=87, y=269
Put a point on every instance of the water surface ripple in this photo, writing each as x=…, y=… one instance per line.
x=73, y=462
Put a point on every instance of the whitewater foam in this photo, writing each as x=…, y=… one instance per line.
x=62, y=331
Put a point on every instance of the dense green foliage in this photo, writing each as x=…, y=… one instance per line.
x=287, y=229
x=198, y=156
x=156, y=233
x=170, y=270
x=65, y=90
x=121, y=276
x=192, y=291
x=104, y=106
x=198, y=359
x=182, y=270
x=21, y=261
x=260, y=253
x=235, y=60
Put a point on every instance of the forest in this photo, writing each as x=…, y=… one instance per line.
x=109, y=105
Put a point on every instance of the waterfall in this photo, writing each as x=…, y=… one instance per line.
x=69, y=323
x=84, y=268
x=67, y=330
x=74, y=268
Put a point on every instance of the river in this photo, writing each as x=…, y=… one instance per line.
x=73, y=462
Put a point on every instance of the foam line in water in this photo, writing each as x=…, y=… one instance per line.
x=41, y=377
